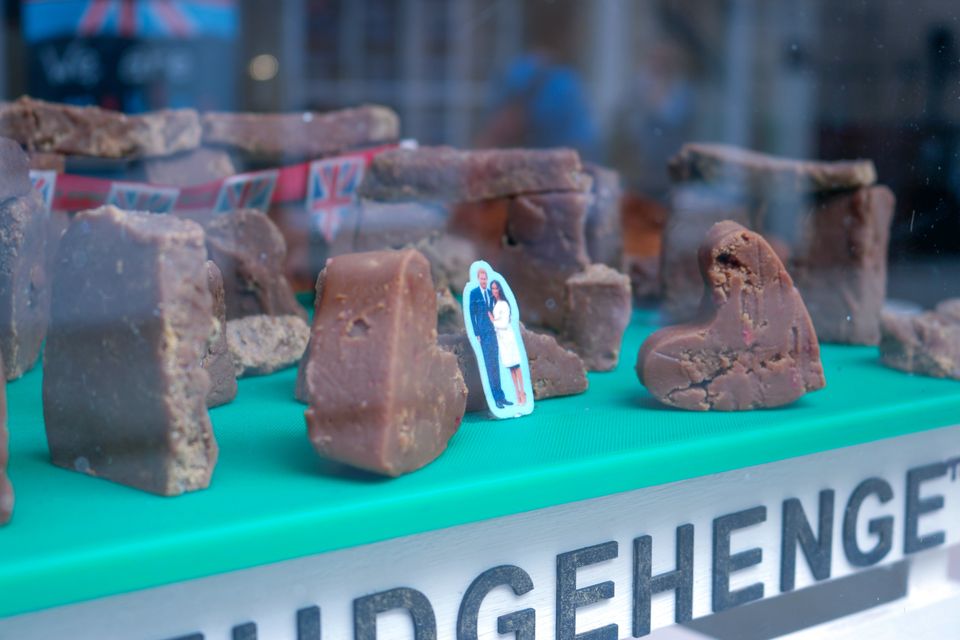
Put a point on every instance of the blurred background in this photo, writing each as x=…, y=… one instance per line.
x=624, y=81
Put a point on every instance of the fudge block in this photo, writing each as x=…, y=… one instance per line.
x=927, y=343
x=383, y=396
x=308, y=246
x=273, y=137
x=597, y=306
x=450, y=259
x=14, y=170
x=384, y=225
x=42, y=161
x=753, y=345
x=459, y=345
x=24, y=287
x=217, y=361
x=124, y=392
x=449, y=313
x=189, y=168
x=6, y=489
x=445, y=174
x=260, y=345
x=92, y=131
x=604, y=224
x=250, y=252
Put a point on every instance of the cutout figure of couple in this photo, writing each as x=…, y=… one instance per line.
x=492, y=321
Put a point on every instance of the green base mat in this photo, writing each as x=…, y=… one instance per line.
x=272, y=498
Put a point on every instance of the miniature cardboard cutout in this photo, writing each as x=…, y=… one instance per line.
x=492, y=319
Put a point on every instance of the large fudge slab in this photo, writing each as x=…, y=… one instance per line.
x=446, y=174
x=753, y=345
x=189, y=168
x=6, y=488
x=927, y=343
x=250, y=252
x=272, y=137
x=24, y=284
x=383, y=396
x=604, y=224
x=597, y=305
x=124, y=392
x=217, y=360
x=92, y=131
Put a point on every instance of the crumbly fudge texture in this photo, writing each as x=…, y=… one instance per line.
x=124, y=392
x=6, y=489
x=597, y=304
x=217, y=360
x=188, y=168
x=92, y=131
x=263, y=344
x=604, y=224
x=250, y=252
x=383, y=396
x=927, y=343
x=445, y=174
x=24, y=284
x=271, y=137
x=753, y=346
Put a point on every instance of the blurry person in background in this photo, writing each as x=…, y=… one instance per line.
x=540, y=100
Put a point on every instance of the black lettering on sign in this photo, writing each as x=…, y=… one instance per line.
x=569, y=598
x=679, y=580
x=308, y=623
x=365, y=612
x=796, y=530
x=521, y=623
x=881, y=527
x=724, y=563
x=245, y=631
x=917, y=507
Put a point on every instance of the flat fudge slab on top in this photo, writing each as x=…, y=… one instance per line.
x=124, y=392
x=383, y=395
x=270, y=137
x=6, y=489
x=92, y=131
x=446, y=174
x=753, y=345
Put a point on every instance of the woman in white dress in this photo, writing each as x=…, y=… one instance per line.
x=507, y=339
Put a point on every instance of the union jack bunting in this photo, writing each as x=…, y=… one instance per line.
x=247, y=191
x=133, y=196
x=332, y=191
x=46, y=183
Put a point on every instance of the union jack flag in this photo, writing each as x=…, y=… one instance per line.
x=140, y=197
x=45, y=182
x=247, y=191
x=332, y=192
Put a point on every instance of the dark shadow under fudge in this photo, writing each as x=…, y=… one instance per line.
x=597, y=311
x=124, y=392
x=217, y=360
x=927, y=343
x=6, y=488
x=189, y=168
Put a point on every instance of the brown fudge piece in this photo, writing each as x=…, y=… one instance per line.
x=92, y=131
x=197, y=166
x=544, y=246
x=42, y=161
x=450, y=259
x=449, y=313
x=217, y=360
x=604, y=224
x=753, y=345
x=383, y=225
x=250, y=252
x=643, y=222
x=263, y=344
x=383, y=396
x=307, y=248
x=840, y=264
x=453, y=175
x=14, y=170
x=597, y=313
x=927, y=343
x=24, y=283
x=719, y=163
x=459, y=345
x=272, y=137
x=124, y=394
x=300, y=392
x=6, y=489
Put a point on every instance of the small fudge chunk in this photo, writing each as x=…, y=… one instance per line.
x=383, y=396
x=271, y=137
x=720, y=163
x=14, y=170
x=250, y=252
x=459, y=345
x=6, y=489
x=25, y=227
x=197, y=166
x=753, y=346
x=42, y=161
x=217, y=360
x=261, y=345
x=450, y=259
x=124, y=392
x=604, y=224
x=92, y=131
x=927, y=343
x=597, y=313
x=449, y=313
x=383, y=225
x=452, y=175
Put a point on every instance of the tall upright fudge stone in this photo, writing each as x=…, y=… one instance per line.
x=597, y=305
x=24, y=284
x=383, y=396
x=753, y=345
x=927, y=343
x=452, y=175
x=250, y=252
x=604, y=224
x=124, y=392
x=6, y=489
x=217, y=360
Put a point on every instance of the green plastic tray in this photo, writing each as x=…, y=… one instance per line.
x=272, y=498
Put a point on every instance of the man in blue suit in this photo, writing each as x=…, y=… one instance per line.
x=481, y=305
